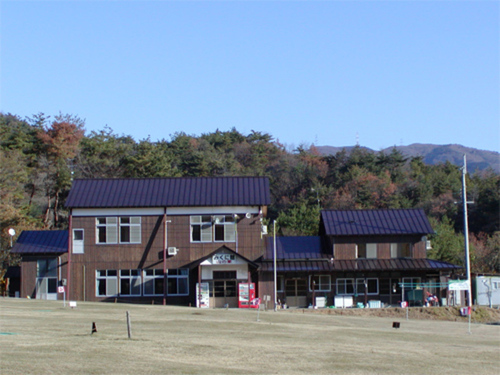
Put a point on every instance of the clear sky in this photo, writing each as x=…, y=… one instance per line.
x=307, y=72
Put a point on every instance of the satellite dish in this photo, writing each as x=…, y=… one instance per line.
x=248, y=215
x=12, y=232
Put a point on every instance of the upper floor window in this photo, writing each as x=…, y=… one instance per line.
x=400, y=250
x=218, y=228
x=201, y=228
x=367, y=250
x=224, y=228
x=129, y=230
x=106, y=230
x=77, y=241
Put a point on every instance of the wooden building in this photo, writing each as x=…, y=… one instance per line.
x=163, y=240
x=152, y=240
x=361, y=258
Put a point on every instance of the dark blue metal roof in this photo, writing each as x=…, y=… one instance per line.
x=41, y=241
x=169, y=192
x=294, y=248
x=375, y=222
x=363, y=265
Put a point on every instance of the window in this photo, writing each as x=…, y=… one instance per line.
x=321, y=283
x=77, y=241
x=177, y=282
x=224, y=275
x=219, y=228
x=400, y=250
x=345, y=286
x=153, y=282
x=367, y=250
x=281, y=283
x=371, y=286
x=130, y=230
x=224, y=228
x=46, y=267
x=130, y=283
x=106, y=230
x=106, y=283
x=201, y=228
x=410, y=283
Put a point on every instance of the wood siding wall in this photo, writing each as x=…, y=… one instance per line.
x=345, y=248
x=149, y=253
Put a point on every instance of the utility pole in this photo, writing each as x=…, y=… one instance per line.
x=466, y=238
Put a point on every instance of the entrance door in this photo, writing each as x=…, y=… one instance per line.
x=296, y=292
x=46, y=281
x=225, y=289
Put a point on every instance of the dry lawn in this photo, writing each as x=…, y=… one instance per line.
x=42, y=337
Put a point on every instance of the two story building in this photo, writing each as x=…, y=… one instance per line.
x=158, y=240
x=151, y=240
x=360, y=256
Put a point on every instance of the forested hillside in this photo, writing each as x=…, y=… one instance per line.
x=40, y=156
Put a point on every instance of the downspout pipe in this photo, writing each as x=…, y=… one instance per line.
x=70, y=250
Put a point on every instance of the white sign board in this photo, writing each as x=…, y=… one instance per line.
x=223, y=258
x=458, y=285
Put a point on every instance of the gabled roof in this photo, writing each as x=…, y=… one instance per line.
x=375, y=222
x=41, y=242
x=307, y=247
x=222, y=249
x=169, y=192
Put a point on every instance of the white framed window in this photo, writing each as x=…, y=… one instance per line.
x=322, y=283
x=410, y=283
x=77, y=241
x=130, y=282
x=178, y=282
x=224, y=228
x=106, y=230
x=106, y=283
x=367, y=250
x=153, y=280
x=130, y=229
x=201, y=228
x=345, y=286
x=371, y=286
x=400, y=250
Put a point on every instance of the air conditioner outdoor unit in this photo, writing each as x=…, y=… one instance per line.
x=172, y=251
x=428, y=245
x=264, y=229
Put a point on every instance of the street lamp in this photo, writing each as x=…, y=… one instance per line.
x=12, y=233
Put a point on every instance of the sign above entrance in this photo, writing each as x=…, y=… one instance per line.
x=223, y=258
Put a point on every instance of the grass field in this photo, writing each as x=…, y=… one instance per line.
x=42, y=337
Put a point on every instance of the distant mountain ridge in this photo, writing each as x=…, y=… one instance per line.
x=477, y=160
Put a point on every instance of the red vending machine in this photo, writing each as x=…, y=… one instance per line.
x=246, y=295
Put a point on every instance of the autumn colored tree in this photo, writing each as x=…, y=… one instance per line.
x=60, y=142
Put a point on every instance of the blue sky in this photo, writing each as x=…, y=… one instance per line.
x=307, y=72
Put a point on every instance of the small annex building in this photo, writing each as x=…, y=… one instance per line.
x=362, y=257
